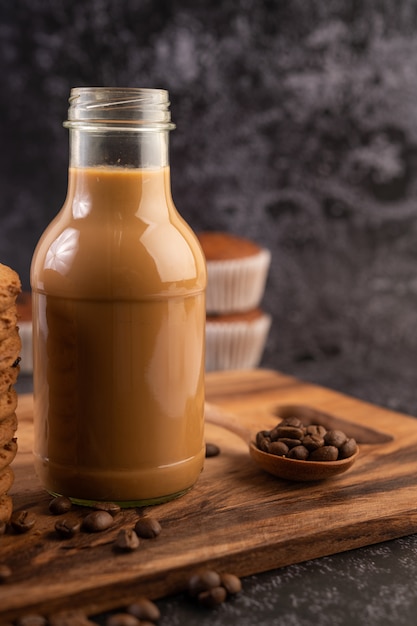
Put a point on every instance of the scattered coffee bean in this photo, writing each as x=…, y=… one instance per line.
x=70, y=618
x=97, y=521
x=291, y=439
x=66, y=529
x=60, y=505
x=32, y=620
x=212, y=597
x=212, y=450
x=5, y=573
x=110, y=507
x=144, y=609
x=122, y=619
x=231, y=583
x=3, y=528
x=126, y=540
x=23, y=521
x=203, y=580
x=147, y=527
x=211, y=588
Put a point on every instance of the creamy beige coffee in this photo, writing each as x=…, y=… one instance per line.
x=118, y=285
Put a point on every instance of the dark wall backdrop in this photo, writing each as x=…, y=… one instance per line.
x=296, y=126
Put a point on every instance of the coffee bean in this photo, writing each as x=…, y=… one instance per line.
x=126, y=540
x=335, y=438
x=315, y=429
x=291, y=443
x=312, y=442
x=315, y=443
x=70, y=618
x=231, y=583
x=5, y=573
x=348, y=449
x=109, y=507
x=122, y=619
x=291, y=421
x=147, y=527
x=23, y=521
x=97, y=521
x=212, y=597
x=3, y=528
x=263, y=440
x=279, y=448
x=66, y=529
x=212, y=450
x=300, y=453
x=289, y=432
x=32, y=620
x=325, y=453
x=203, y=580
x=60, y=505
x=144, y=609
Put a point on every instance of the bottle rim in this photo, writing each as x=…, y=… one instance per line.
x=130, y=108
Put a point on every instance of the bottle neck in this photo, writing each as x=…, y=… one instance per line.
x=117, y=194
x=119, y=162
x=100, y=147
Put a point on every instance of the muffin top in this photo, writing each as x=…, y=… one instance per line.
x=221, y=246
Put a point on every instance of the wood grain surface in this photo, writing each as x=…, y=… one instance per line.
x=237, y=518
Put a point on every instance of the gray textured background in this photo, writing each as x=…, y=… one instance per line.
x=296, y=126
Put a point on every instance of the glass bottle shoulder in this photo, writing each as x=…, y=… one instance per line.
x=118, y=235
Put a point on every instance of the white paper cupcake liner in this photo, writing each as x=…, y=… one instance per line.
x=236, y=345
x=236, y=285
x=26, y=355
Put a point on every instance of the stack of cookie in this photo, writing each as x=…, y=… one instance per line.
x=10, y=346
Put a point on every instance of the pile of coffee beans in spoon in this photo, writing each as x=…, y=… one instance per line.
x=290, y=438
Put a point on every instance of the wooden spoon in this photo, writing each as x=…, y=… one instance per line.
x=280, y=466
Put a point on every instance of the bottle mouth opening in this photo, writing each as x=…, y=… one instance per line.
x=135, y=109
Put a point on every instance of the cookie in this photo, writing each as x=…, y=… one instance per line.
x=6, y=480
x=10, y=349
x=8, y=427
x=7, y=453
x=6, y=508
x=8, y=377
x=8, y=403
x=10, y=286
x=8, y=321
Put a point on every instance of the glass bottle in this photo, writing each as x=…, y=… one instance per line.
x=118, y=281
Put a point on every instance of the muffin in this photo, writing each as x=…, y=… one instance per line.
x=237, y=269
x=24, y=311
x=236, y=340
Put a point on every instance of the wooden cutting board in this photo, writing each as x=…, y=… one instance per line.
x=236, y=519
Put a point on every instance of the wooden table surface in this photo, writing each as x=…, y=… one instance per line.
x=237, y=518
